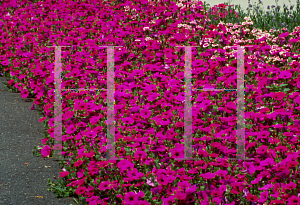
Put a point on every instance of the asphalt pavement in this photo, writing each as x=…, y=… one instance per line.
x=23, y=176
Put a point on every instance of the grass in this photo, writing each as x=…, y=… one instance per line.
x=273, y=18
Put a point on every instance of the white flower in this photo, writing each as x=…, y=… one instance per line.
x=247, y=18
x=193, y=22
x=179, y=5
x=148, y=38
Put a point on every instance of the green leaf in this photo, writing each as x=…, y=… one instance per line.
x=282, y=85
x=286, y=89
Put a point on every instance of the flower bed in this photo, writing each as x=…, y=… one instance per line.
x=149, y=101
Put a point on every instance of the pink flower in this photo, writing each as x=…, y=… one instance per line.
x=252, y=198
x=197, y=62
x=42, y=119
x=67, y=115
x=90, y=134
x=208, y=175
x=150, y=183
x=184, y=184
x=179, y=124
x=125, y=165
x=80, y=173
x=94, y=120
x=161, y=179
x=180, y=196
x=293, y=200
x=177, y=152
x=64, y=174
x=78, y=163
x=81, y=83
x=290, y=186
x=71, y=129
x=130, y=197
x=152, y=97
x=283, y=35
x=46, y=151
x=278, y=95
x=80, y=190
x=180, y=96
x=145, y=113
x=105, y=185
x=24, y=93
x=140, y=154
x=11, y=81
x=297, y=100
x=5, y=63
x=134, y=174
x=263, y=197
x=169, y=200
x=82, y=106
x=285, y=74
x=262, y=149
x=127, y=120
x=266, y=187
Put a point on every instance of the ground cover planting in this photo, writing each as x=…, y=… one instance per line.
x=149, y=71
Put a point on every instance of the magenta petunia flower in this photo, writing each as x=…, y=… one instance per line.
x=80, y=190
x=105, y=185
x=293, y=200
x=130, y=197
x=71, y=129
x=24, y=93
x=125, y=165
x=263, y=197
x=82, y=106
x=283, y=35
x=177, y=152
x=67, y=115
x=208, y=175
x=278, y=95
x=94, y=120
x=90, y=134
x=46, y=151
x=180, y=96
x=134, y=174
x=64, y=174
x=169, y=200
x=153, y=97
x=184, y=184
x=297, y=100
x=127, y=120
x=78, y=163
x=5, y=63
x=80, y=173
x=145, y=113
x=285, y=74
x=252, y=198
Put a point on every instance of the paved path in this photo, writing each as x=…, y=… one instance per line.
x=20, y=131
